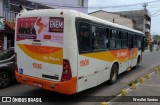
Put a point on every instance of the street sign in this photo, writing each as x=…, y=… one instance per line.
x=2, y=23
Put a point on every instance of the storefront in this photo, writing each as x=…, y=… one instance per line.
x=1, y=40
x=2, y=28
x=7, y=36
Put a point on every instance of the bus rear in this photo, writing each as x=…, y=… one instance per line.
x=40, y=51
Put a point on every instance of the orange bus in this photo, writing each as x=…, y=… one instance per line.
x=67, y=51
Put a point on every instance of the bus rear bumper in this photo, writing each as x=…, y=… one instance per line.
x=67, y=87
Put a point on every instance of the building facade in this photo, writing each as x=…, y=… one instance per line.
x=115, y=18
x=8, y=11
x=78, y=5
x=142, y=19
x=10, y=8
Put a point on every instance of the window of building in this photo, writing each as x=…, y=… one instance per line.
x=5, y=5
x=81, y=3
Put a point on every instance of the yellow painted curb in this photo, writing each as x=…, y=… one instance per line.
x=147, y=76
x=134, y=86
x=141, y=80
x=156, y=70
x=104, y=103
x=124, y=92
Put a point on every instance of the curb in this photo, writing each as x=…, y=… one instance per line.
x=133, y=85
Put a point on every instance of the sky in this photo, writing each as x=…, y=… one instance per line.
x=120, y=5
x=153, y=7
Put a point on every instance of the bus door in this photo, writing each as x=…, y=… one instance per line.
x=87, y=67
x=130, y=46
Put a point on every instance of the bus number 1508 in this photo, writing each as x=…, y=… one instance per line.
x=37, y=66
x=84, y=62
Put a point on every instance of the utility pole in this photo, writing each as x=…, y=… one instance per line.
x=145, y=5
x=144, y=26
x=157, y=44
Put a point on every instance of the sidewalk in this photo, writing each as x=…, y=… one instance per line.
x=150, y=87
x=147, y=51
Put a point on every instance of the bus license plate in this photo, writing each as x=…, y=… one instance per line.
x=37, y=84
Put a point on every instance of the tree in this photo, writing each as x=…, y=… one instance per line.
x=156, y=37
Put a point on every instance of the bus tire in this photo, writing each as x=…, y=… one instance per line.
x=138, y=62
x=5, y=79
x=113, y=74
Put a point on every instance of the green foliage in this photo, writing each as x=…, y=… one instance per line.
x=156, y=37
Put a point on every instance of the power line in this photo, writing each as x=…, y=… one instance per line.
x=98, y=7
x=105, y=7
x=154, y=5
x=155, y=15
x=155, y=12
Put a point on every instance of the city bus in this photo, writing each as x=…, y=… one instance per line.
x=67, y=51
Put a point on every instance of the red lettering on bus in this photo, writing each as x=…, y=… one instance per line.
x=84, y=62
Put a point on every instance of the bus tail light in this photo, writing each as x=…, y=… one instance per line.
x=66, y=73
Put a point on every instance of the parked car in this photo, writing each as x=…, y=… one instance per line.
x=7, y=67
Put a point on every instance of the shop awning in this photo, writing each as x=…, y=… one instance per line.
x=9, y=28
x=10, y=25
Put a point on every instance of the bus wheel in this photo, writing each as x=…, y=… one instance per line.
x=4, y=79
x=138, y=62
x=113, y=74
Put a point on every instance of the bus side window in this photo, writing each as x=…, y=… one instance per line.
x=106, y=39
x=130, y=40
x=107, y=32
x=112, y=39
x=99, y=38
x=124, y=37
x=139, y=42
x=84, y=37
x=134, y=37
x=118, y=40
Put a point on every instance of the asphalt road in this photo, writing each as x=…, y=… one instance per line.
x=150, y=61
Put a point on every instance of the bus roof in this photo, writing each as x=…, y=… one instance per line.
x=73, y=13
